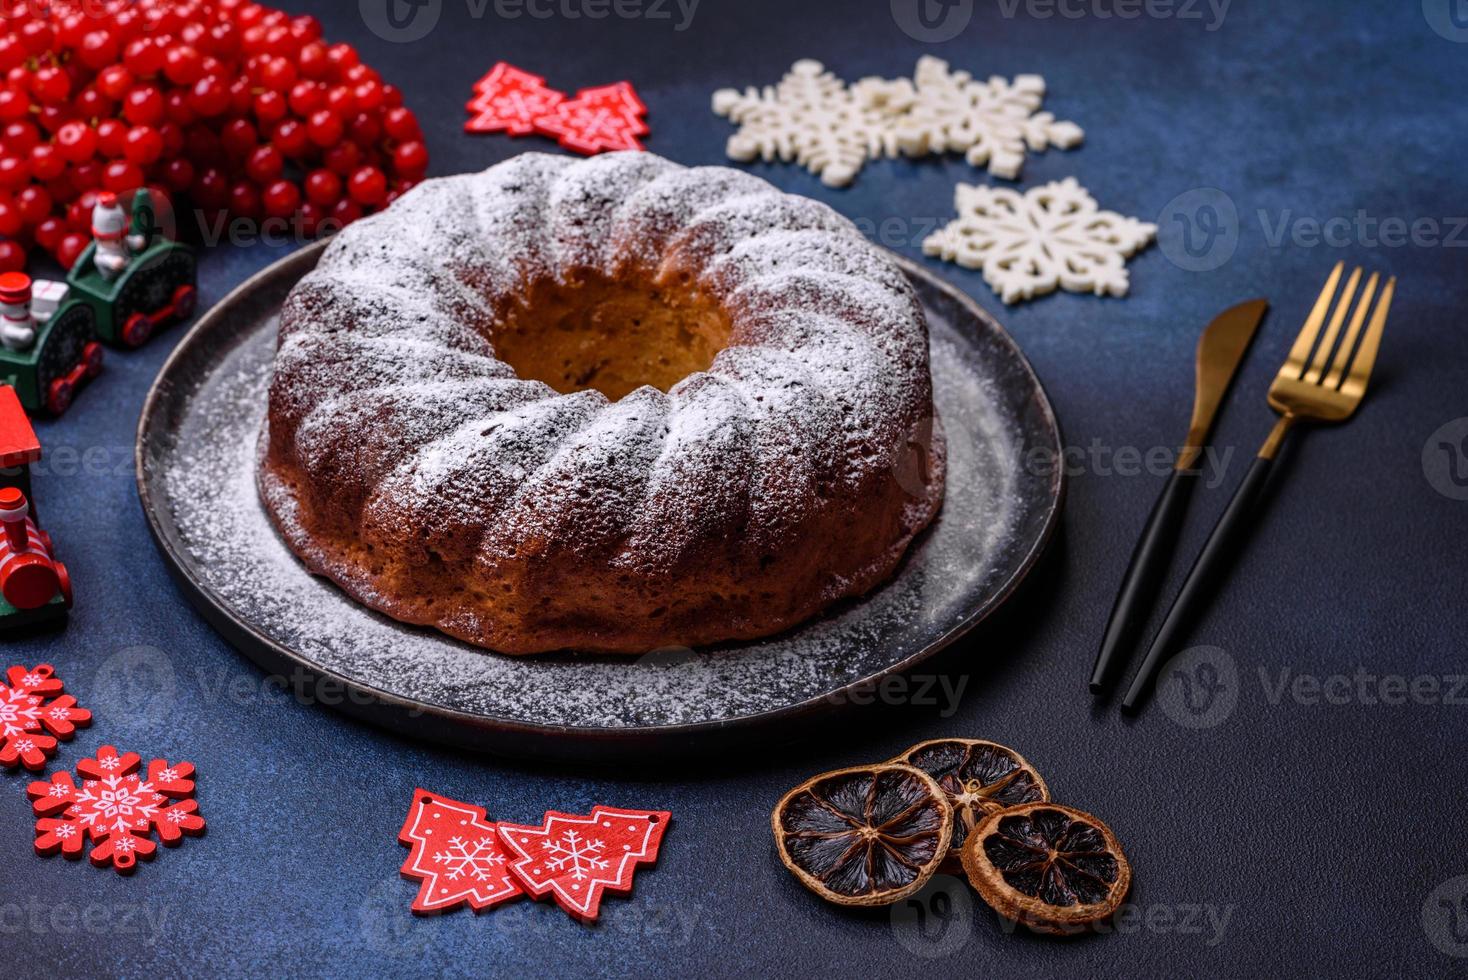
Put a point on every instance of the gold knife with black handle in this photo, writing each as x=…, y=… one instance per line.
x=1220, y=351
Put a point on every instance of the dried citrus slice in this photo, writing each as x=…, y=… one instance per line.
x=1048, y=867
x=979, y=778
x=869, y=835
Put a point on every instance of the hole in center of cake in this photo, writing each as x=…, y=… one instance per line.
x=610, y=335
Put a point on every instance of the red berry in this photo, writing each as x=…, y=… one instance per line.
x=368, y=96
x=244, y=200
x=91, y=104
x=177, y=108
x=34, y=204
x=367, y=186
x=281, y=199
x=71, y=247
x=37, y=37
x=278, y=74
x=265, y=165
x=241, y=96
x=210, y=96
x=76, y=142
x=11, y=223
x=359, y=73
x=15, y=172
x=343, y=158
x=292, y=139
x=87, y=176
x=173, y=138
x=143, y=145
x=410, y=159
x=340, y=100
x=114, y=81
x=324, y=128
x=98, y=49
x=142, y=57
x=50, y=85
x=345, y=212
x=49, y=233
x=239, y=139
x=12, y=257
x=178, y=174
x=222, y=41
x=366, y=129
x=13, y=105
x=305, y=28
x=52, y=117
x=401, y=124
x=12, y=54
x=20, y=137
x=306, y=98
x=182, y=65
x=211, y=189
x=46, y=162
x=270, y=107
x=120, y=176
x=111, y=137
x=143, y=106
x=313, y=60
x=323, y=187
x=343, y=57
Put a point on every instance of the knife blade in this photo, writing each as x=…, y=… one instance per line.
x=1220, y=352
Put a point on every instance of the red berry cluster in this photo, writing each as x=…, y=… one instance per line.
x=243, y=108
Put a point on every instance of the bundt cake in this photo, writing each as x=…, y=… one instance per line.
x=613, y=404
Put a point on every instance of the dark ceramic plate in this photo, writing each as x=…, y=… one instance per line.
x=196, y=479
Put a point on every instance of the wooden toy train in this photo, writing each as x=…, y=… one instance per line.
x=34, y=586
x=125, y=285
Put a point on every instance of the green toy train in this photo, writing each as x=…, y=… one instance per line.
x=124, y=286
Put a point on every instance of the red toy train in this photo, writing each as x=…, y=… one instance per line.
x=34, y=586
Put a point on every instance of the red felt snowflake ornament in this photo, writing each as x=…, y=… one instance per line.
x=456, y=855
x=577, y=859
x=118, y=806
x=31, y=706
x=508, y=100
x=608, y=117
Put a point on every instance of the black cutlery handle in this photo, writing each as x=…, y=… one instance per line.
x=1137, y=593
x=1230, y=531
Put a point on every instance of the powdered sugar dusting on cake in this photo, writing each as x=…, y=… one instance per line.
x=411, y=296
x=208, y=481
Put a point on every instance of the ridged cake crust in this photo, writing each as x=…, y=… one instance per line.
x=406, y=462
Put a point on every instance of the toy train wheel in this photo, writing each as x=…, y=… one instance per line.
x=92, y=358
x=137, y=330
x=185, y=298
x=59, y=395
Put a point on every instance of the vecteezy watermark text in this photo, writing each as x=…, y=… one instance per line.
x=1211, y=13
x=113, y=919
x=404, y=21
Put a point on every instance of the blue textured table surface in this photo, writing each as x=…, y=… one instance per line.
x=1308, y=821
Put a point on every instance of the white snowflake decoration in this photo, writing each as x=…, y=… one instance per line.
x=816, y=119
x=572, y=853
x=476, y=858
x=993, y=123
x=811, y=117
x=1029, y=244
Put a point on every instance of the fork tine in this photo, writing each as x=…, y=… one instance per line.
x=1327, y=343
x=1355, y=383
x=1343, y=356
x=1294, y=365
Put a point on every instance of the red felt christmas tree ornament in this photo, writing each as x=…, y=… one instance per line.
x=508, y=100
x=455, y=855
